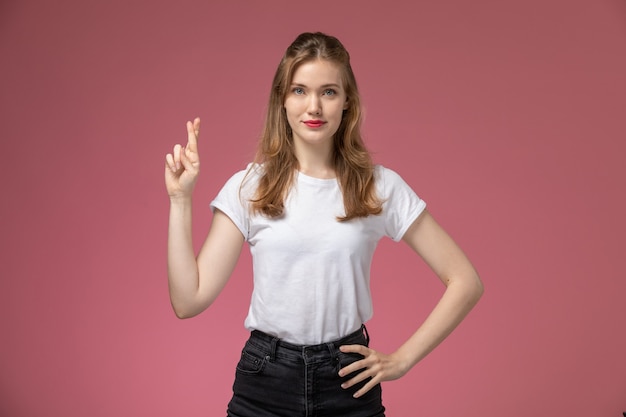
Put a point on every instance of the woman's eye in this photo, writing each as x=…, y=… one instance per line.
x=298, y=91
x=329, y=92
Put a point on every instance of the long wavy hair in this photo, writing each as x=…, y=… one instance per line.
x=351, y=160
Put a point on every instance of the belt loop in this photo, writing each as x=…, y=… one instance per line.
x=273, y=344
x=332, y=349
x=367, y=335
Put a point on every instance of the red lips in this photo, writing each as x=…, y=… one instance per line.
x=314, y=123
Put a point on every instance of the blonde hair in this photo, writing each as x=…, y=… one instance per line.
x=351, y=160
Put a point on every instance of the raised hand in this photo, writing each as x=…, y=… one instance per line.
x=183, y=164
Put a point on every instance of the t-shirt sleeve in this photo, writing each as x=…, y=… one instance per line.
x=401, y=204
x=232, y=201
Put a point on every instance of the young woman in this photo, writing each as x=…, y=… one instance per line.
x=312, y=208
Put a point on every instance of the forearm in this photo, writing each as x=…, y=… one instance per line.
x=457, y=301
x=183, y=277
x=463, y=289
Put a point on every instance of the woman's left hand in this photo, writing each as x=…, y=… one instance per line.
x=376, y=366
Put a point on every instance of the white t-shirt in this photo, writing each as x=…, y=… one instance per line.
x=312, y=272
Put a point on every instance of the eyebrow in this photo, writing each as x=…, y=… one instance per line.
x=322, y=86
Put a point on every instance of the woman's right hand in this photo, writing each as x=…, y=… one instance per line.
x=183, y=164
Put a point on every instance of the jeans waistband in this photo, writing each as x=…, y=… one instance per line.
x=360, y=336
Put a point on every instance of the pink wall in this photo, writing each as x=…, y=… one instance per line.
x=509, y=118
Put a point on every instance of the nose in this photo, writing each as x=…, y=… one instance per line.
x=314, y=105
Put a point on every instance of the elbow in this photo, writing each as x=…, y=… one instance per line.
x=183, y=313
x=469, y=284
x=478, y=289
x=469, y=287
x=188, y=308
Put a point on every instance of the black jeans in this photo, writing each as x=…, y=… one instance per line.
x=278, y=379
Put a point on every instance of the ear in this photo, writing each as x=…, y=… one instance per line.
x=346, y=105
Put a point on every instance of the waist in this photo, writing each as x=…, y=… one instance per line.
x=277, y=346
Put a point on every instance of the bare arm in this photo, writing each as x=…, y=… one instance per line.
x=463, y=290
x=194, y=283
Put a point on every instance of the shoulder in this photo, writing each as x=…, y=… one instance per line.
x=242, y=183
x=387, y=179
x=384, y=172
x=238, y=190
x=249, y=175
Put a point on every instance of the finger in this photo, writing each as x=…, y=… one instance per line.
x=186, y=161
x=196, y=126
x=192, y=157
x=363, y=350
x=357, y=365
x=193, y=130
x=365, y=388
x=169, y=162
x=361, y=376
x=176, y=154
x=353, y=367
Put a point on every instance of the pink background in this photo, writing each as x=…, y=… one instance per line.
x=508, y=117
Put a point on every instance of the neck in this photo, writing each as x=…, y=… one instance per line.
x=315, y=162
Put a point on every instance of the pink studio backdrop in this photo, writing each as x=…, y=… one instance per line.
x=508, y=118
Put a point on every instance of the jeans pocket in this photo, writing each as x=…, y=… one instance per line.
x=252, y=361
x=345, y=359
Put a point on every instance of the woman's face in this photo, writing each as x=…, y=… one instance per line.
x=315, y=103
